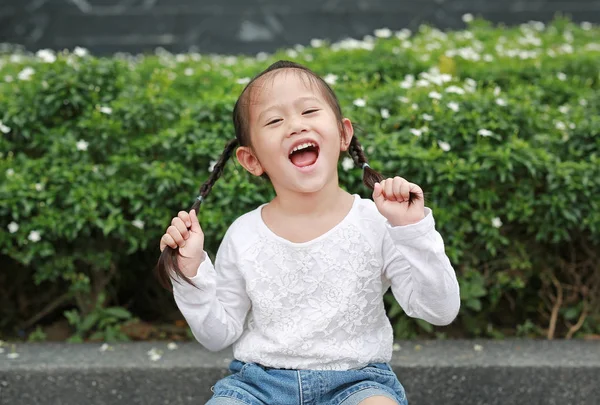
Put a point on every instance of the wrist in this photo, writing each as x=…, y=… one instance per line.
x=405, y=222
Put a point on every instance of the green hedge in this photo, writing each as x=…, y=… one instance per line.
x=500, y=126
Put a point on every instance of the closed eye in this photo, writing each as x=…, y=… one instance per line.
x=314, y=110
x=275, y=121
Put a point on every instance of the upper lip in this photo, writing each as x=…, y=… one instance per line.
x=301, y=142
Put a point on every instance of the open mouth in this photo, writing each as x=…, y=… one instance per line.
x=305, y=154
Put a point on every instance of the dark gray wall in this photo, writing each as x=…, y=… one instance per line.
x=246, y=26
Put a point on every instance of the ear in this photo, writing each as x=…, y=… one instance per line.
x=248, y=160
x=346, y=135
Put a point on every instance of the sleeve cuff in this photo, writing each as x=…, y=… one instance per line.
x=204, y=278
x=406, y=232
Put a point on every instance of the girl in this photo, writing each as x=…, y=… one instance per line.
x=298, y=283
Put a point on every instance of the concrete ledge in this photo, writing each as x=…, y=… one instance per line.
x=433, y=372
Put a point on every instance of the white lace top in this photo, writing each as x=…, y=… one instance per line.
x=318, y=304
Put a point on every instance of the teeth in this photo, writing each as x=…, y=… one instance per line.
x=303, y=146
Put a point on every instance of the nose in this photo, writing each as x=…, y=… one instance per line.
x=297, y=126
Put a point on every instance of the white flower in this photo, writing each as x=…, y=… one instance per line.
x=396, y=347
x=46, y=55
x=586, y=25
x=262, y=56
x=308, y=58
x=26, y=73
x=12, y=355
x=383, y=33
x=39, y=186
x=8, y=78
x=467, y=18
x=106, y=347
x=427, y=117
x=385, y=113
x=316, y=43
x=453, y=106
x=106, y=110
x=347, y=163
x=435, y=95
x=403, y=34
x=501, y=102
x=3, y=128
x=292, y=53
x=568, y=36
x=82, y=145
x=416, y=132
x=496, y=222
x=563, y=109
x=138, y=223
x=330, y=79
x=403, y=99
x=583, y=102
x=34, y=236
x=484, y=132
x=488, y=58
x=423, y=83
x=243, y=80
x=561, y=76
x=9, y=172
x=13, y=227
x=560, y=125
x=424, y=129
x=572, y=125
x=477, y=348
x=211, y=166
x=172, y=346
x=154, y=354
x=81, y=52
x=414, y=106
x=359, y=102
x=188, y=71
x=445, y=146
x=497, y=91
x=455, y=90
x=471, y=84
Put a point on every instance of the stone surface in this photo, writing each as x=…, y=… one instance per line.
x=433, y=372
x=246, y=26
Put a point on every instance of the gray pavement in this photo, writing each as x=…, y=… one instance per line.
x=432, y=372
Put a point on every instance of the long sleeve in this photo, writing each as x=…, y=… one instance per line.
x=421, y=276
x=217, y=309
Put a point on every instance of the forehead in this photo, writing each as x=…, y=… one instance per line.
x=285, y=84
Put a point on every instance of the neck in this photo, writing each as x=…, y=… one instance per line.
x=309, y=204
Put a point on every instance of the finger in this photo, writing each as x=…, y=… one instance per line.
x=185, y=217
x=403, y=189
x=183, y=230
x=196, y=228
x=167, y=240
x=176, y=235
x=378, y=194
x=388, y=190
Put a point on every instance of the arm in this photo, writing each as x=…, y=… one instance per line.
x=217, y=309
x=422, y=278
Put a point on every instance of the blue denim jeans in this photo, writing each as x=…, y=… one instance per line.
x=253, y=384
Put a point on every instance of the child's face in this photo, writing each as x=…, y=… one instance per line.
x=288, y=111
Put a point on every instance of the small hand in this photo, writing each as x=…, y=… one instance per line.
x=185, y=234
x=399, y=201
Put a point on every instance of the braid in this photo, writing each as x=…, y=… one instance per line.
x=370, y=176
x=167, y=262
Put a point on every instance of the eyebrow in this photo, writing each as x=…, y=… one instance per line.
x=296, y=102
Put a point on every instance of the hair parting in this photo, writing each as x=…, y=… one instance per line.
x=167, y=262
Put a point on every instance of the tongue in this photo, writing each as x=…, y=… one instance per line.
x=304, y=158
